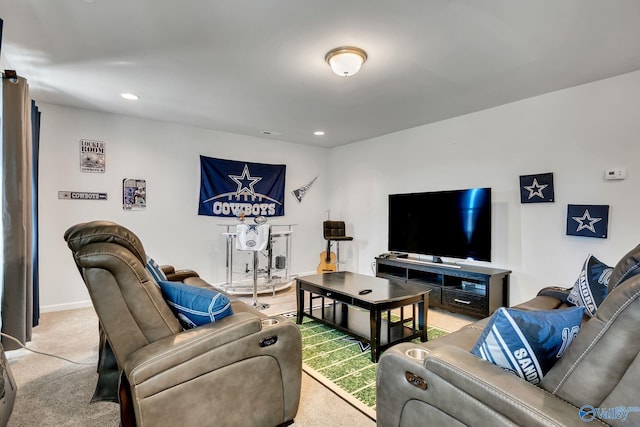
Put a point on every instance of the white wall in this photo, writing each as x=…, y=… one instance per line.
x=575, y=133
x=167, y=156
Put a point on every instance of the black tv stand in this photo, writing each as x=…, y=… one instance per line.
x=469, y=289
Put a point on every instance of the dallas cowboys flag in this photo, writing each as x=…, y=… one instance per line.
x=229, y=188
x=536, y=188
x=588, y=220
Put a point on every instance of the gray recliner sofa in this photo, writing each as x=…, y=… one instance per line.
x=244, y=369
x=452, y=387
x=8, y=389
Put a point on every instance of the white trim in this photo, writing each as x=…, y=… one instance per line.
x=62, y=307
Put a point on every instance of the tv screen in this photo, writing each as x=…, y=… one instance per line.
x=453, y=224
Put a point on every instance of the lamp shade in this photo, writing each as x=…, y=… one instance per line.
x=346, y=61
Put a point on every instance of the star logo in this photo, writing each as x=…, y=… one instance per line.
x=586, y=222
x=535, y=189
x=363, y=346
x=245, y=182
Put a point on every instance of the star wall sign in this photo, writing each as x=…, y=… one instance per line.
x=536, y=188
x=588, y=220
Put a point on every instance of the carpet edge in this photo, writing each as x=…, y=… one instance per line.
x=327, y=383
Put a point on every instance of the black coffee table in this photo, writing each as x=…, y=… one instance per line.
x=343, y=306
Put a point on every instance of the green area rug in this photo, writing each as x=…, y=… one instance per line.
x=343, y=363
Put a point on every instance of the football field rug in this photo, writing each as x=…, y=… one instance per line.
x=343, y=363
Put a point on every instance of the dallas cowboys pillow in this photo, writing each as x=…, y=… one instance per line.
x=528, y=343
x=195, y=305
x=591, y=288
x=154, y=269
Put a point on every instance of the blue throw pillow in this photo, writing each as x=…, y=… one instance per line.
x=195, y=305
x=591, y=288
x=528, y=343
x=154, y=270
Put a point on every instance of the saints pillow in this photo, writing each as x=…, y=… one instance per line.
x=194, y=305
x=528, y=343
x=591, y=288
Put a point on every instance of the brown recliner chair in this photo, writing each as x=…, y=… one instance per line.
x=236, y=371
x=451, y=386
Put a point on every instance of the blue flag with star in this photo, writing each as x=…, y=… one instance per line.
x=588, y=220
x=230, y=188
x=536, y=188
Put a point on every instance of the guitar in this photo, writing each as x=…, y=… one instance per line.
x=327, y=260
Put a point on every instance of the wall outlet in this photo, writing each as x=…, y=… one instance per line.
x=615, y=174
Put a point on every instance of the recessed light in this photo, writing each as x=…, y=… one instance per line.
x=130, y=96
x=319, y=133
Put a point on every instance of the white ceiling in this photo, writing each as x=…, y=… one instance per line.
x=247, y=66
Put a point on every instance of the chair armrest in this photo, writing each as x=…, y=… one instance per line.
x=167, y=269
x=451, y=372
x=556, y=292
x=525, y=403
x=180, y=275
x=8, y=389
x=176, y=349
x=195, y=352
x=174, y=275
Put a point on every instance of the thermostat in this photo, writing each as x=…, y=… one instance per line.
x=614, y=174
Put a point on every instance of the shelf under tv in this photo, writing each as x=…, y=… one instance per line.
x=469, y=289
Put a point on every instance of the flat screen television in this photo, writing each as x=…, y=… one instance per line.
x=454, y=224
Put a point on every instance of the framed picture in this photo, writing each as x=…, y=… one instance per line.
x=92, y=156
x=536, y=188
x=588, y=220
x=134, y=194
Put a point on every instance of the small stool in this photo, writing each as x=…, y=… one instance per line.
x=335, y=231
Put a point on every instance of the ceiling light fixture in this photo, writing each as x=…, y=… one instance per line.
x=346, y=61
x=130, y=96
x=319, y=133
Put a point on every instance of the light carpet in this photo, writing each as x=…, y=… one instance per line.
x=52, y=392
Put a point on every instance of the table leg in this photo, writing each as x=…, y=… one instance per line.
x=229, y=260
x=287, y=252
x=425, y=307
x=375, y=322
x=300, y=302
x=270, y=260
x=344, y=317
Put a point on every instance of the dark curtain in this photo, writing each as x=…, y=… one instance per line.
x=17, y=205
x=35, y=136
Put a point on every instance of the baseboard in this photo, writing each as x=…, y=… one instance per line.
x=67, y=306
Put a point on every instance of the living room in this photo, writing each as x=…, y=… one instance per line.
x=577, y=133
x=568, y=132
